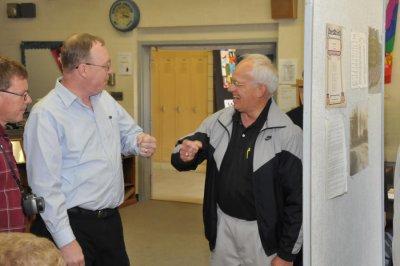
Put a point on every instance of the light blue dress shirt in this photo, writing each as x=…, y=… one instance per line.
x=74, y=155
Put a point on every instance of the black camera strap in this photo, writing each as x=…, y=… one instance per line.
x=14, y=175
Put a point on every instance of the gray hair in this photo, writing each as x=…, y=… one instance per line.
x=77, y=48
x=264, y=72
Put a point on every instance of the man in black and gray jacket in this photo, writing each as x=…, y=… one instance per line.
x=253, y=192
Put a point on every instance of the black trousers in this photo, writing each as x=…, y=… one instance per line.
x=299, y=258
x=101, y=238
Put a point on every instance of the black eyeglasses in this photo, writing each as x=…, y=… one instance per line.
x=106, y=67
x=24, y=95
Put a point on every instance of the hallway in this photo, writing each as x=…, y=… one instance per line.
x=163, y=233
x=171, y=185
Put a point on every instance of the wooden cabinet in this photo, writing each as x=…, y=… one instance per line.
x=179, y=96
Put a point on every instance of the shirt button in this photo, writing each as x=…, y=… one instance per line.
x=243, y=135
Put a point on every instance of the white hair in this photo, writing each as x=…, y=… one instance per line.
x=264, y=72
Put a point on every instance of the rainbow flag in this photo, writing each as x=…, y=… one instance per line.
x=391, y=19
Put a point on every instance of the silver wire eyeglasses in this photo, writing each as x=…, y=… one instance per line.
x=106, y=67
x=235, y=83
x=24, y=95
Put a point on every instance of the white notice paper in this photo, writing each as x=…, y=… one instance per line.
x=359, y=60
x=287, y=71
x=287, y=98
x=124, y=63
x=228, y=103
x=336, y=173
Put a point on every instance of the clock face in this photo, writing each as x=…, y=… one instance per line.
x=124, y=15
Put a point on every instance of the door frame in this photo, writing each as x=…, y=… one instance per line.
x=144, y=85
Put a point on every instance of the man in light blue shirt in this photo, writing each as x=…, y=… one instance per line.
x=73, y=139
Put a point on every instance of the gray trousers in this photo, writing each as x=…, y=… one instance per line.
x=238, y=243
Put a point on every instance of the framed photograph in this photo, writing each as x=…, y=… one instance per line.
x=18, y=151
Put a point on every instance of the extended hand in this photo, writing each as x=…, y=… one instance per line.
x=148, y=145
x=189, y=149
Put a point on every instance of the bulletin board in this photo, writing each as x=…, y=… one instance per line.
x=343, y=135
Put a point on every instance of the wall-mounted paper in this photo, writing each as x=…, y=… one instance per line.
x=287, y=71
x=287, y=98
x=359, y=60
x=334, y=89
x=359, y=137
x=336, y=172
x=124, y=63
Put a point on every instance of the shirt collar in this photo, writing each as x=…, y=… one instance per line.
x=262, y=117
x=66, y=96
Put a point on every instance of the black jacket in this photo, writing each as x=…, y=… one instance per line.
x=277, y=178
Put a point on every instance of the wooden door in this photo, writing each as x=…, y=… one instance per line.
x=179, y=96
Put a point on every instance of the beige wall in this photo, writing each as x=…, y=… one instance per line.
x=185, y=21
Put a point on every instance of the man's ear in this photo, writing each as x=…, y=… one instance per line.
x=262, y=89
x=82, y=70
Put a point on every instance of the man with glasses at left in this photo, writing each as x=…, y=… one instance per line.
x=14, y=99
x=73, y=141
